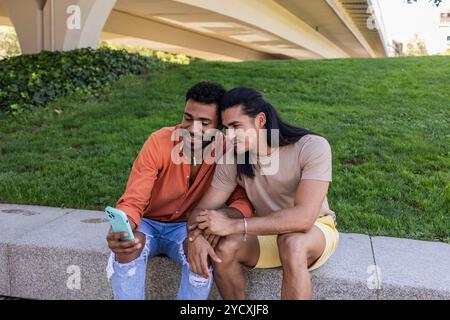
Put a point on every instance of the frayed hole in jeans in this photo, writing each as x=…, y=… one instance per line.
x=132, y=272
x=181, y=253
x=109, y=266
x=194, y=279
x=197, y=280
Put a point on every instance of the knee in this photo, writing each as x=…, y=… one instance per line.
x=292, y=249
x=227, y=248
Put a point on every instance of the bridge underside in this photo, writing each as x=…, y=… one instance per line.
x=232, y=30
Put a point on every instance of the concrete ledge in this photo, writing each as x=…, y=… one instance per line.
x=15, y=222
x=42, y=249
x=4, y=271
x=345, y=275
x=43, y=259
x=412, y=269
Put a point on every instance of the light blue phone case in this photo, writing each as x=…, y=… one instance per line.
x=119, y=222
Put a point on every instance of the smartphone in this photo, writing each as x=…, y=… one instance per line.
x=119, y=222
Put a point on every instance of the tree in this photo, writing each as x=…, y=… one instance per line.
x=416, y=47
x=9, y=45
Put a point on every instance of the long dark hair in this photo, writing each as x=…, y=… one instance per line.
x=252, y=103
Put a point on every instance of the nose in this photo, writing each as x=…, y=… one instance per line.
x=195, y=129
x=231, y=134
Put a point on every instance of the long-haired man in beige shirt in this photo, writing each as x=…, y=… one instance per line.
x=286, y=172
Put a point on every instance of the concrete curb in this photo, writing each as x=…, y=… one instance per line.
x=42, y=249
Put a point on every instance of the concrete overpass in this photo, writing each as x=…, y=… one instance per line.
x=231, y=30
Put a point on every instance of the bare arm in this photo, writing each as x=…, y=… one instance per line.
x=213, y=200
x=300, y=218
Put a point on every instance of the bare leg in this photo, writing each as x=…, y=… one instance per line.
x=229, y=274
x=298, y=251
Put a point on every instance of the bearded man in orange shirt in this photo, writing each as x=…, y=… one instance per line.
x=159, y=196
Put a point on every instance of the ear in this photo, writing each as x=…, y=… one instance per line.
x=260, y=120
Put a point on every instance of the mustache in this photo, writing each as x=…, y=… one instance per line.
x=204, y=136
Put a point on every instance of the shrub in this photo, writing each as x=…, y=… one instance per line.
x=176, y=58
x=30, y=81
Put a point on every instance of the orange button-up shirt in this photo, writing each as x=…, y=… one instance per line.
x=159, y=189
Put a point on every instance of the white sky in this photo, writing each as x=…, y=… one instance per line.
x=402, y=20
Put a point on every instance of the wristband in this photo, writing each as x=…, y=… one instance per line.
x=245, y=229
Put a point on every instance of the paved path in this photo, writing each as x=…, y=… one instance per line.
x=52, y=253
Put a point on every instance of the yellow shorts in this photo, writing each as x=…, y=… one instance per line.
x=269, y=256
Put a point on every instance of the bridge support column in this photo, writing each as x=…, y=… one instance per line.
x=58, y=25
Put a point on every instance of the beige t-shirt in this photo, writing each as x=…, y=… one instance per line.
x=308, y=158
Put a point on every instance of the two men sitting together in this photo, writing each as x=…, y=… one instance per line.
x=256, y=200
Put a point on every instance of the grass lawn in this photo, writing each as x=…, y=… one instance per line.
x=387, y=121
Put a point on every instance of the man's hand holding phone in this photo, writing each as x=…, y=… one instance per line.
x=125, y=248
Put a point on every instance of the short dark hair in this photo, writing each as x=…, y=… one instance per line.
x=207, y=92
